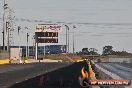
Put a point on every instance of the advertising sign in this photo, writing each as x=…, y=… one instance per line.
x=48, y=28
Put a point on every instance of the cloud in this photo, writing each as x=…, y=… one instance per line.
x=78, y=34
x=96, y=35
x=85, y=32
x=119, y=33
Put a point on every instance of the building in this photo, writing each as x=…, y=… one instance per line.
x=55, y=49
x=48, y=49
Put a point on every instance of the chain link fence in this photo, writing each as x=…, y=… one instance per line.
x=4, y=54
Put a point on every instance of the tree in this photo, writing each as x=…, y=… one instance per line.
x=107, y=50
x=93, y=51
x=121, y=53
x=85, y=51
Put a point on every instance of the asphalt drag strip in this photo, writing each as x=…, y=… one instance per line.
x=15, y=73
x=66, y=77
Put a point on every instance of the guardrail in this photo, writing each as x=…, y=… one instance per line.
x=92, y=73
x=5, y=61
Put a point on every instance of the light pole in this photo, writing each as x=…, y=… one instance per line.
x=67, y=38
x=7, y=30
x=33, y=47
x=27, y=47
x=3, y=40
x=73, y=40
x=36, y=46
x=73, y=43
x=44, y=48
x=27, y=53
x=19, y=27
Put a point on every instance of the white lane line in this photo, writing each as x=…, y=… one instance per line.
x=114, y=76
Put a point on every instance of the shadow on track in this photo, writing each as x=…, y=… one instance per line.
x=66, y=77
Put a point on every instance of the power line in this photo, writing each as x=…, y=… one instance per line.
x=62, y=22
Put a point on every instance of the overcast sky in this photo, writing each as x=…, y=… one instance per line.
x=98, y=22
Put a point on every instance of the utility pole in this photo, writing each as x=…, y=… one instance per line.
x=6, y=25
x=5, y=6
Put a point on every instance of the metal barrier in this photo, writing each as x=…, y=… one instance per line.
x=92, y=74
x=4, y=57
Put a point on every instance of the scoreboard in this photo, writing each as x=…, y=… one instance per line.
x=47, y=33
x=47, y=40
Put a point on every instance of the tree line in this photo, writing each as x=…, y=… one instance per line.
x=107, y=50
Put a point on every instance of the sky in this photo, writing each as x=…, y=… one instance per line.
x=98, y=22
